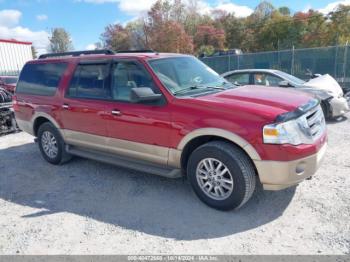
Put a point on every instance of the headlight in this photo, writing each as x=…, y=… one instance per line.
x=283, y=133
x=296, y=129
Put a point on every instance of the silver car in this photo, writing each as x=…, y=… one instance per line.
x=325, y=88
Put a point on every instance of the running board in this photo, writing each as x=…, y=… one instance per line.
x=125, y=162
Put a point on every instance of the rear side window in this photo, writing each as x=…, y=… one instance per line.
x=40, y=79
x=90, y=81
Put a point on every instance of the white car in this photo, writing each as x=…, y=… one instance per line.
x=324, y=87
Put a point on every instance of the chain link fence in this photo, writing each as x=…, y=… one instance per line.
x=326, y=60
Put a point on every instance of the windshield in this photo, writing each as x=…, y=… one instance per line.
x=10, y=80
x=184, y=75
x=292, y=79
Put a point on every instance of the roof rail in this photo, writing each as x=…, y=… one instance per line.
x=136, y=51
x=78, y=53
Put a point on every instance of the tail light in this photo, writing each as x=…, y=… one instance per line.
x=15, y=103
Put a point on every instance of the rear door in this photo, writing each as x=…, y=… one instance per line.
x=83, y=111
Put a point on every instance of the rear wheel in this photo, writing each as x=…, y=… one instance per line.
x=51, y=144
x=221, y=175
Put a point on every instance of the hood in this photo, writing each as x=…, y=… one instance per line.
x=268, y=101
x=326, y=83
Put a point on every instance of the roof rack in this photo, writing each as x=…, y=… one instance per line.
x=136, y=51
x=78, y=53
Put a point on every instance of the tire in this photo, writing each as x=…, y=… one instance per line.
x=325, y=110
x=60, y=156
x=240, y=168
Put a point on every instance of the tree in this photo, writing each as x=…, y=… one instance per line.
x=284, y=10
x=205, y=50
x=275, y=32
x=164, y=31
x=60, y=41
x=138, y=38
x=208, y=35
x=116, y=37
x=339, y=28
x=263, y=10
x=311, y=28
x=170, y=37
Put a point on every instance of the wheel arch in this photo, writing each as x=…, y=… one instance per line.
x=201, y=136
x=41, y=118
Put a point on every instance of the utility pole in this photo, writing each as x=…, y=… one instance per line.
x=292, y=66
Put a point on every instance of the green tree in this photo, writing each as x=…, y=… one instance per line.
x=60, y=41
x=339, y=26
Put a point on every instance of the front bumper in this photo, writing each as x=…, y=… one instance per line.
x=277, y=175
x=339, y=106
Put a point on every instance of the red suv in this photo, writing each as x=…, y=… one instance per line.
x=171, y=115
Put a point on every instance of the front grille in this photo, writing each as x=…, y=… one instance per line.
x=315, y=124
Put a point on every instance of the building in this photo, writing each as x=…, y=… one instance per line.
x=13, y=55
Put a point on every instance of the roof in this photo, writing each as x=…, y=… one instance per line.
x=117, y=55
x=251, y=71
x=13, y=41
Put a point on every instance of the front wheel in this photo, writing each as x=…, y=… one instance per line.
x=221, y=175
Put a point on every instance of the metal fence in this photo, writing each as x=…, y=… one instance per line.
x=332, y=60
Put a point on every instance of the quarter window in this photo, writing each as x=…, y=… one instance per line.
x=40, y=79
x=90, y=81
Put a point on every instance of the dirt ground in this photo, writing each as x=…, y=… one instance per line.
x=86, y=207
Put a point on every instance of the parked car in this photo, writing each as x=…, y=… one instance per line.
x=7, y=117
x=8, y=83
x=333, y=102
x=171, y=115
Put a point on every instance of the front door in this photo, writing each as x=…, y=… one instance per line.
x=138, y=130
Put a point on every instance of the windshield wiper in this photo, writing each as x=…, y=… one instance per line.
x=201, y=87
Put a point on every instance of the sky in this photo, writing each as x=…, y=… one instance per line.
x=85, y=20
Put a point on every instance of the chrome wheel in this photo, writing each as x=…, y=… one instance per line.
x=214, y=179
x=49, y=144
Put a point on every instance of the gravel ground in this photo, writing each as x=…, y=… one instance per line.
x=85, y=207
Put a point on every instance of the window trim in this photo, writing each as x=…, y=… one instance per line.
x=111, y=63
x=90, y=62
x=136, y=61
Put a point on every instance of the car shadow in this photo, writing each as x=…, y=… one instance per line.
x=125, y=198
x=336, y=120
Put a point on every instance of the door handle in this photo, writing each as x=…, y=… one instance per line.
x=65, y=106
x=116, y=112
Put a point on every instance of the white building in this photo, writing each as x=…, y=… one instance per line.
x=13, y=55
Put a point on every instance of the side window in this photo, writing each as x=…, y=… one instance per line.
x=266, y=79
x=40, y=79
x=239, y=79
x=127, y=75
x=90, y=81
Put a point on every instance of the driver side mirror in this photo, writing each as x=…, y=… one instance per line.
x=144, y=94
x=284, y=83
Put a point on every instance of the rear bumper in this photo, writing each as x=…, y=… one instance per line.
x=277, y=175
x=339, y=106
